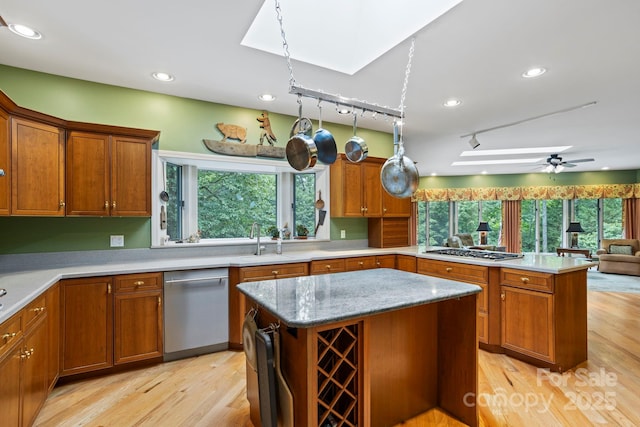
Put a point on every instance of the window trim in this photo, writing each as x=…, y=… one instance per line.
x=192, y=161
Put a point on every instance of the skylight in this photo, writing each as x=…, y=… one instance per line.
x=344, y=36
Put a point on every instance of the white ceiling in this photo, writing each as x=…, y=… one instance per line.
x=476, y=52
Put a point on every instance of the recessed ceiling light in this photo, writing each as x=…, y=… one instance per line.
x=605, y=168
x=452, y=103
x=343, y=111
x=163, y=77
x=24, y=31
x=534, y=72
x=497, y=162
x=434, y=174
x=267, y=97
x=526, y=150
x=483, y=172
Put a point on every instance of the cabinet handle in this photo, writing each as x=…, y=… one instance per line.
x=449, y=269
x=106, y=205
x=138, y=283
x=362, y=209
x=26, y=354
x=366, y=209
x=524, y=279
x=378, y=263
x=384, y=210
x=113, y=205
x=38, y=310
x=62, y=204
x=328, y=266
x=6, y=337
x=502, y=296
x=109, y=288
x=360, y=263
x=274, y=272
x=159, y=302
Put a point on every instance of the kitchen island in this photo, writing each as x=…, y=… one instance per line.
x=370, y=348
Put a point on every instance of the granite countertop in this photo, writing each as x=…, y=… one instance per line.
x=23, y=286
x=303, y=302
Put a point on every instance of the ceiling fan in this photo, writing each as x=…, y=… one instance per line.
x=556, y=164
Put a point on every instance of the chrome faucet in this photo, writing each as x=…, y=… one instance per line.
x=255, y=226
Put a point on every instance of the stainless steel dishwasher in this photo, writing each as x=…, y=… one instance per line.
x=196, y=312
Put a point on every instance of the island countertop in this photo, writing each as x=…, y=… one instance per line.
x=309, y=301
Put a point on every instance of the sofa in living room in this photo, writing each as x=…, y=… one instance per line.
x=620, y=256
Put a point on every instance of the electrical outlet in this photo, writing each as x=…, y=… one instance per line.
x=117, y=241
x=343, y=234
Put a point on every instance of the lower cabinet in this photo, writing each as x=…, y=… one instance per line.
x=100, y=330
x=527, y=322
x=24, y=355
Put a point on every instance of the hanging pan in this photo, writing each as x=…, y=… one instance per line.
x=356, y=149
x=399, y=175
x=301, y=149
x=327, y=150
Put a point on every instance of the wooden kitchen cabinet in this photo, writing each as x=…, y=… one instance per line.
x=52, y=300
x=5, y=164
x=370, y=262
x=37, y=169
x=237, y=302
x=406, y=263
x=109, y=321
x=388, y=232
x=108, y=175
x=324, y=266
x=138, y=333
x=24, y=358
x=356, y=190
x=87, y=324
x=544, y=317
x=394, y=206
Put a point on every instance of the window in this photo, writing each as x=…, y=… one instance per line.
x=611, y=219
x=220, y=198
x=436, y=215
x=586, y=211
x=542, y=225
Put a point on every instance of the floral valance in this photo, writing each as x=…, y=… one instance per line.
x=606, y=191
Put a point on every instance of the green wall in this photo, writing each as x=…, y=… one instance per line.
x=183, y=124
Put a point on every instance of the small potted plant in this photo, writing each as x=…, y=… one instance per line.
x=301, y=231
x=273, y=232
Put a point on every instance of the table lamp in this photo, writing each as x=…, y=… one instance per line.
x=574, y=228
x=483, y=227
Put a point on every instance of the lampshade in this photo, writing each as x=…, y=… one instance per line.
x=574, y=227
x=484, y=226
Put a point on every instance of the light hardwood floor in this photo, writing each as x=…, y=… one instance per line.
x=209, y=390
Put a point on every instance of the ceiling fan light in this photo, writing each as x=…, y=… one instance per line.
x=558, y=169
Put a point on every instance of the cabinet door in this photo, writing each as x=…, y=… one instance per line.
x=386, y=261
x=5, y=164
x=393, y=206
x=10, y=387
x=406, y=263
x=88, y=169
x=37, y=163
x=527, y=322
x=138, y=326
x=130, y=176
x=352, y=191
x=372, y=189
x=35, y=386
x=87, y=325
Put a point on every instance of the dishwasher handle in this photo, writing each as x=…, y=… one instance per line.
x=220, y=279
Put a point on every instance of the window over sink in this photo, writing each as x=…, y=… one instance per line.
x=216, y=199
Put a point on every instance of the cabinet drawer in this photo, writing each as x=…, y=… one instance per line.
x=360, y=263
x=10, y=332
x=138, y=282
x=328, y=266
x=34, y=310
x=386, y=261
x=527, y=279
x=276, y=271
x=455, y=271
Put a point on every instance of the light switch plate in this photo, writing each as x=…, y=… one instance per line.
x=117, y=241
x=343, y=234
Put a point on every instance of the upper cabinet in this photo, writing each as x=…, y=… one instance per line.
x=356, y=191
x=37, y=169
x=355, y=188
x=108, y=175
x=53, y=167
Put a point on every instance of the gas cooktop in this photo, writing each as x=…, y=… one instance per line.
x=474, y=253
